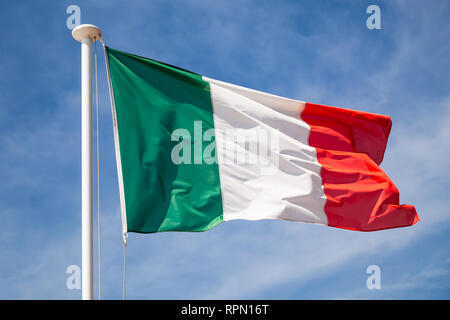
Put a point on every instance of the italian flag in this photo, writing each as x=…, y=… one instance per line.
x=193, y=152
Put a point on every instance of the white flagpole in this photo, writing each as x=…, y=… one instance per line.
x=86, y=34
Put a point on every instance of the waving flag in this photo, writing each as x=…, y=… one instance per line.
x=193, y=152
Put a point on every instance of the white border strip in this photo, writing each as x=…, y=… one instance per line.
x=116, y=145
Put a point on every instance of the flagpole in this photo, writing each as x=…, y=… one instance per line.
x=86, y=34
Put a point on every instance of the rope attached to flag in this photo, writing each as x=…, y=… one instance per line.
x=124, y=240
x=124, y=231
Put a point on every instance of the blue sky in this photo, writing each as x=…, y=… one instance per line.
x=317, y=51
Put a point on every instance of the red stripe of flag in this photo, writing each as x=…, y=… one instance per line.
x=350, y=145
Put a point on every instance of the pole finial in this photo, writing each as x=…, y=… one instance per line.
x=84, y=31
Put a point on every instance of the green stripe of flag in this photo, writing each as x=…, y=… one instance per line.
x=153, y=100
